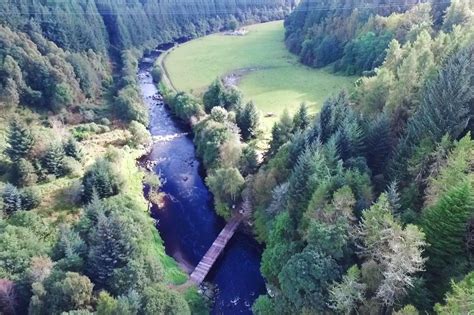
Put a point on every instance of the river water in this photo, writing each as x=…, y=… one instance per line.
x=187, y=223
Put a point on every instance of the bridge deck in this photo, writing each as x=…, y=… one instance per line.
x=202, y=269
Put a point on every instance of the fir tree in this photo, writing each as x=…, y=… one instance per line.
x=72, y=149
x=109, y=248
x=53, y=160
x=248, y=121
x=281, y=133
x=20, y=141
x=11, y=199
x=101, y=179
x=301, y=119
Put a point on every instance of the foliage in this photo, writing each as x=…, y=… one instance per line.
x=11, y=199
x=185, y=106
x=20, y=141
x=460, y=299
x=226, y=185
x=247, y=120
x=101, y=179
x=157, y=299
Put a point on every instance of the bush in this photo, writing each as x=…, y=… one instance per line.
x=24, y=173
x=140, y=135
x=30, y=198
x=72, y=167
x=156, y=74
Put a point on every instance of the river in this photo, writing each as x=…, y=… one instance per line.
x=188, y=223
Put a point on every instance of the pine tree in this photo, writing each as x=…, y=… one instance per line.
x=110, y=247
x=281, y=133
x=53, y=160
x=20, y=141
x=248, y=121
x=11, y=199
x=101, y=179
x=72, y=149
x=445, y=225
x=301, y=119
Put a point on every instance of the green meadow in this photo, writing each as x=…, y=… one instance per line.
x=270, y=75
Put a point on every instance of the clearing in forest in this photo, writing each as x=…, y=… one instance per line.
x=259, y=64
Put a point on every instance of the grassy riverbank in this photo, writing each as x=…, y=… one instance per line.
x=268, y=74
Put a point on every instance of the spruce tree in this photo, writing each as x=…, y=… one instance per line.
x=72, y=149
x=301, y=119
x=100, y=179
x=110, y=247
x=445, y=225
x=53, y=160
x=281, y=133
x=11, y=199
x=24, y=173
x=248, y=121
x=379, y=144
x=20, y=141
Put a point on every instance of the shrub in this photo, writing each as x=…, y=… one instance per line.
x=140, y=135
x=24, y=173
x=30, y=198
x=72, y=167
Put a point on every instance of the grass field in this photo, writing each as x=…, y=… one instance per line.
x=273, y=78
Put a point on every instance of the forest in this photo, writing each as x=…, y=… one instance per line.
x=76, y=235
x=366, y=207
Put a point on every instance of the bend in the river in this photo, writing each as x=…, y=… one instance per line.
x=188, y=223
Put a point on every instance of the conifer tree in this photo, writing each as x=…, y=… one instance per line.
x=445, y=225
x=24, y=173
x=301, y=119
x=11, y=199
x=53, y=160
x=72, y=149
x=281, y=133
x=20, y=141
x=109, y=248
x=101, y=179
x=248, y=121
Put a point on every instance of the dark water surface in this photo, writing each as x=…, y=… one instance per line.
x=188, y=223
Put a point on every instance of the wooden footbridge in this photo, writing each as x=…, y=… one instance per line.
x=206, y=263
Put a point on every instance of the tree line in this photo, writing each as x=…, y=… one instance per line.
x=352, y=36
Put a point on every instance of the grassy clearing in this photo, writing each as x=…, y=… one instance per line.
x=273, y=78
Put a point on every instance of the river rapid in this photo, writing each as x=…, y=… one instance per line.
x=188, y=223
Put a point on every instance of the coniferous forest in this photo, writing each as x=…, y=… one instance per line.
x=364, y=206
